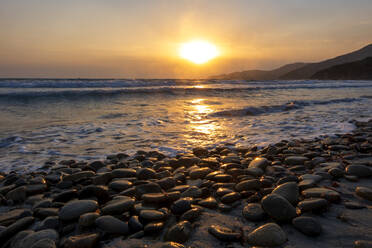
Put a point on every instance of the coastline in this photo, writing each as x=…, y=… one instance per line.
x=199, y=199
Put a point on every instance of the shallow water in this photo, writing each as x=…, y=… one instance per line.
x=43, y=120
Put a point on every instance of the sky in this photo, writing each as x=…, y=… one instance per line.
x=141, y=38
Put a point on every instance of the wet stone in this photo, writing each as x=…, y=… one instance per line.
x=31, y=239
x=151, y=215
x=325, y=193
x=134, y=224
x=307, y=225
x=146, y=173
x=231, y=197
x=289, y=191
x=253, y=212
x=364, y=192
x=209, y=202
x=180, y=232
x=112, y=225
x=72, y=210
x=252, y=184
x=153, y=227
x=122, y=205
x=313, y=204
x=191, y=214
x=120, y=185
x=224, y=233
x=358, y=170
x=87, y=220
x=278, y=207
x=260, y=163
x=268, y=235
x=44, y=243
x=182, y=205
x=82, y=241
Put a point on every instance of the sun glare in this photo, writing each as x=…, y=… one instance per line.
x=198, y=52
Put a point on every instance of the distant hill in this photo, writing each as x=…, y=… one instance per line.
x=297, y=71
x=260, y=74
x=358, y=70
x=309, y=70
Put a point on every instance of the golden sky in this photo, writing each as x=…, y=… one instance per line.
x=141, y=38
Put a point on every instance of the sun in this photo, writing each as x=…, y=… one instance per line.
x=198, y=51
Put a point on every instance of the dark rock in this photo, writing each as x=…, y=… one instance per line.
x=364, y=192
x=16, y=227
x=82, y=241
x=88, y=219
x=180, y=206
x=313, y=204
x=307, y=225
x=112, y=225
x=268, y=235
x=121, y=205
x=253, y=212
x=120, y=184
x=224, y=233
x=179, y=233
x=72, y=210
x=278, y=207
x=358, y=170
x=289, y=191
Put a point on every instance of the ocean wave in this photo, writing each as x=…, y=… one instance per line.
x=92, y=92
x=269, y=109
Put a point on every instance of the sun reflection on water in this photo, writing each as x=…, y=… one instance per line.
x=199, y=122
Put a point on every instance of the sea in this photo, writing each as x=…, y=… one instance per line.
x=46, y=120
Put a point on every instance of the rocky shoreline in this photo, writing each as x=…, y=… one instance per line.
x=298, y=193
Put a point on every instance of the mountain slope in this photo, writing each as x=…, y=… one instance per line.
x=307, y=71
x=260, y=74
x=359, y=70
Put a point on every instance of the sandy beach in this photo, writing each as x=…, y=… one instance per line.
x=297, y=193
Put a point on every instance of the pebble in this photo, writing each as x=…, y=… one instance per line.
x=289, y=191
x=120, y=184
x=307, y=225
x=118, y=206
x=112, y=225
x=72, y=210
x=191, y=214
x=179, y=233
x=82, y=241
x=180, y=206
x=31, y=239
x=252, y=184
x=153, y=227
x=151, y=215
x=44, y=243
x=224, y=233
x=295, y=160
x=209, y=202
x=364, y=192
x=363, y=244
x=88, y=219
x=358, y=170
x=313, y=204
x=171, y=245
x=17, y=195
x=278, y=207
x=231, y=197
x=253, y=212
x=260, y=163
x=325, y=193
x=145, y=173
x=16, y=227
x=268, y=235
x=134, y=224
